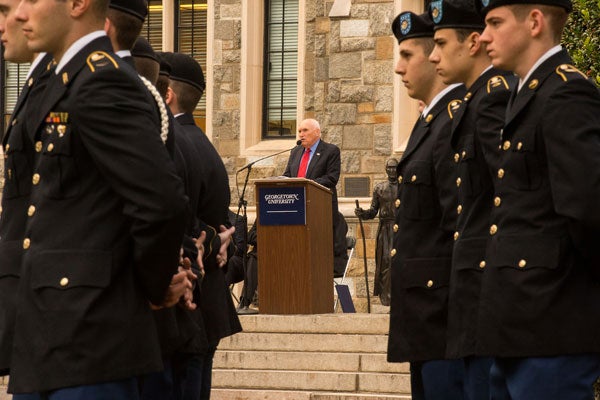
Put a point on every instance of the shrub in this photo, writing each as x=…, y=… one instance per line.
x=582, y=37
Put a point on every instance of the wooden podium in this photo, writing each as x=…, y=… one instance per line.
x=295, y=247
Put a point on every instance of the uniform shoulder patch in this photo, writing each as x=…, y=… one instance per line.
x=497, y=82
x=100, y=59
x=453, y=107
x=566, y=70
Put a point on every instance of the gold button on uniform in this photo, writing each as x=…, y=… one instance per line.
x=522, y=264
x=36, y=179
x=413, y=178
x=456, y=235
x=500, y=173
x=519, y=145
x=395, y=227
x=31, y=210
x=493, y=229
x=429, y=283
x=459, y=209
x=26, y=243
x=50, y=147
x=400, y=179
x=456, y=157
x=397, y=203
x=464, y=154
x=506, y=145
x=393, y=252
x=458, y=182
x=497, y=201
x=64, y=282
x=482, y=264
x=38, y=146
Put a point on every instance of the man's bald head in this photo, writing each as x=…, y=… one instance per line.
x=309, y=132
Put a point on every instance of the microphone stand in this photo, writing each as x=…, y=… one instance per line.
x=242, y=206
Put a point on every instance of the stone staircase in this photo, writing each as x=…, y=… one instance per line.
x=309, y=357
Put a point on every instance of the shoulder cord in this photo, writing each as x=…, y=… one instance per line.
x=164, y=117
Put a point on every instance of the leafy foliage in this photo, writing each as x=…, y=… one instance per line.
x=582, y=37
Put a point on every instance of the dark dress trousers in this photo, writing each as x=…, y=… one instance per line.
x=541, y=287
x=423, y=229
x=475, y=140
x=104, y=228
x=18, y=166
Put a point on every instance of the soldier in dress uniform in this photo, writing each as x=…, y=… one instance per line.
x=18, y=164
x=218, y=313
x=105, y=220
x=123, y=25
x=384, y=197
x=541, y=287
x=422, y=251
x=460, y=57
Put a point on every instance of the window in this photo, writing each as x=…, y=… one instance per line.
x=190, y=38
x=189, y=35
x=281, y=69
x=13, y=79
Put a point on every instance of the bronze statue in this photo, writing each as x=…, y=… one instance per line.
x=384, y=198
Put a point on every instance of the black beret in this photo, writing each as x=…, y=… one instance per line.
x=137, y=8
x=483, y=6
x=456, y=16
x=185, y=69
x=408, y=25
x=143, y=48
x=165, y=67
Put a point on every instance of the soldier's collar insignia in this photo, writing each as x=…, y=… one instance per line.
x=436, y=11
x=405, y=24
x=533, y=84
x=65, y=78
x=428, y=118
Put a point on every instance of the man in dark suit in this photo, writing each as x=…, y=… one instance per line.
x=460, y=57
x=541, y=287
x=186, y=86
x=18, y=164
x=322, y=159
x=320, y=162
x=84, y=327
x=422, y=250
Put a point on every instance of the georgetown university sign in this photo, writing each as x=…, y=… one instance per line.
x=282, y=206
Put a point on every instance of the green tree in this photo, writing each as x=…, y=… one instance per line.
x=582, y=37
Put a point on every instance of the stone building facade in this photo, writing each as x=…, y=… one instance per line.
x=346, y=58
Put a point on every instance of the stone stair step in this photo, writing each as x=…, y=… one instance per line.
x=245, y=394
x=294, y=360
x=353, y=343
x=320, y=323
x=312, y=381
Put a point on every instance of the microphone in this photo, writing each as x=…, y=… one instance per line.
x=249, y=165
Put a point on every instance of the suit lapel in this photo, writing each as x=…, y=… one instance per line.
x=527, y=92
x=475, y=87
x=57, y=85
x=316, y=158
x=295, y=160
x=422, y=126
x=42, y=67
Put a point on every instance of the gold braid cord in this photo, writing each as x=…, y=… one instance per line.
x=164, y=117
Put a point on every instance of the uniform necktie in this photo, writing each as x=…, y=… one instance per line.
x=303, y=164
